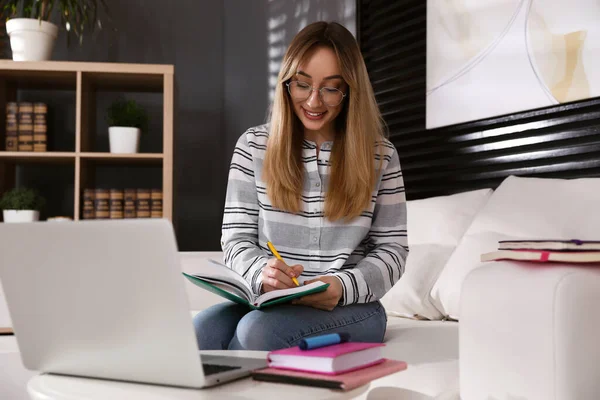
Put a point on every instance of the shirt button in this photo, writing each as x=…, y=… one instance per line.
x=317, y=184
x=315, y=239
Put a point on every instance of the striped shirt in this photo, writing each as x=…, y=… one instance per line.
x=367, y=254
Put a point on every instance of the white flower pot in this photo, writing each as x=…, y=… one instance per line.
x=124, y=139
x=20, y=215
x=31, y=39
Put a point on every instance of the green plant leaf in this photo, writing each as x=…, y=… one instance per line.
x=127, y=113
x=79, y=15
x=22, y=199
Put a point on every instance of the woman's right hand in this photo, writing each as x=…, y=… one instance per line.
x=277, y=275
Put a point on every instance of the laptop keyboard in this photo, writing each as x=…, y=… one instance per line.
x=210, y=369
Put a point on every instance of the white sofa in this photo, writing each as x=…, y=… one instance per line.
x=525, y=333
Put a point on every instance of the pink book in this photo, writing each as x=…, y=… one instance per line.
x=543, y=256
x=335, y=359
x=346, y=381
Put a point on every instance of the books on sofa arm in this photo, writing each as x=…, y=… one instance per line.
x=219, y=279
x=332, y=360
x=346, y=381
x=543, y=256
x=549, y=244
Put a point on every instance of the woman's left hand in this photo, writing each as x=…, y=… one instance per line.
x=326, y=300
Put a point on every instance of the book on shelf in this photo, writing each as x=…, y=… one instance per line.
x=26, y=126
x=40, y=112
x=89, y=196
x=345, y=381
x=156, y=205
x=129, y=205
x=102, y=204
x=12, y=126
x=549, y=244
x=543, y=256
x=223, y=281
x=334, y=359
x=114, y=203
x=25, y=122
x=142, y=209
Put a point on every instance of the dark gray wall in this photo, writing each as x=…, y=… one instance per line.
x=224, y=54
x=257, y=33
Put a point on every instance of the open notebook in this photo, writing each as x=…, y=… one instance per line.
x=219, y=279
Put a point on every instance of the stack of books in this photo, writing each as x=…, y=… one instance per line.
x=546, y=250
x=26, y=126
x=122, y=203
x=342, y=366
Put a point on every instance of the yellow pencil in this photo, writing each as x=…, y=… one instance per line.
x=276, y=254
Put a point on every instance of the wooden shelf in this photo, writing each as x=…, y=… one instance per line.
x=133, y=82
x=86, y=79
x=52, y=157
x=25, y=79
x=139, y=158
x=37, y=157
x=45, y=67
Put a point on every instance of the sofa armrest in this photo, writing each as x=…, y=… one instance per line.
x=199, y=298
x=530, y=332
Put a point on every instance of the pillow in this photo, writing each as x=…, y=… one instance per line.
x=520, y=208
x=409, y=297
x=435, y=226
x=443, y=219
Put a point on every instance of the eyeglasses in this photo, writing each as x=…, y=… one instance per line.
x=301, y=91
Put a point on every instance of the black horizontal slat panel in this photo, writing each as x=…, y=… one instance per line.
x=396, y=39
x=398, y=63
x=560, y=141
x=413, y=49
x=380, y=9
x=388, y=19
x=406, y=75
x=394, y=25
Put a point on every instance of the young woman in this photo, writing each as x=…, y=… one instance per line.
x=320, y=182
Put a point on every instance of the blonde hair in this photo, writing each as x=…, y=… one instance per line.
x=359, y=130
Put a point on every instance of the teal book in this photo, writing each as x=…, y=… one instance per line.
x=223, y=281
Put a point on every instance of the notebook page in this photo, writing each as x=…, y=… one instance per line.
x=214, y=270
x=263, y=298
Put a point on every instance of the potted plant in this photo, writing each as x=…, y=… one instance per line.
x=126, y=120
x=32, y=34
x=21, y=205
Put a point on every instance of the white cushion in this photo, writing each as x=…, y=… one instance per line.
x=443, y=220
x=409, y=297
x=435, y=226
x=520, y=208
x=528, y=331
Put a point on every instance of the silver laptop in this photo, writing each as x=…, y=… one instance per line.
x=106, y=299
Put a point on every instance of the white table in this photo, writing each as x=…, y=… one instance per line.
x=55, y=387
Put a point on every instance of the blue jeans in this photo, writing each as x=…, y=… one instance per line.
x=231, y=326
